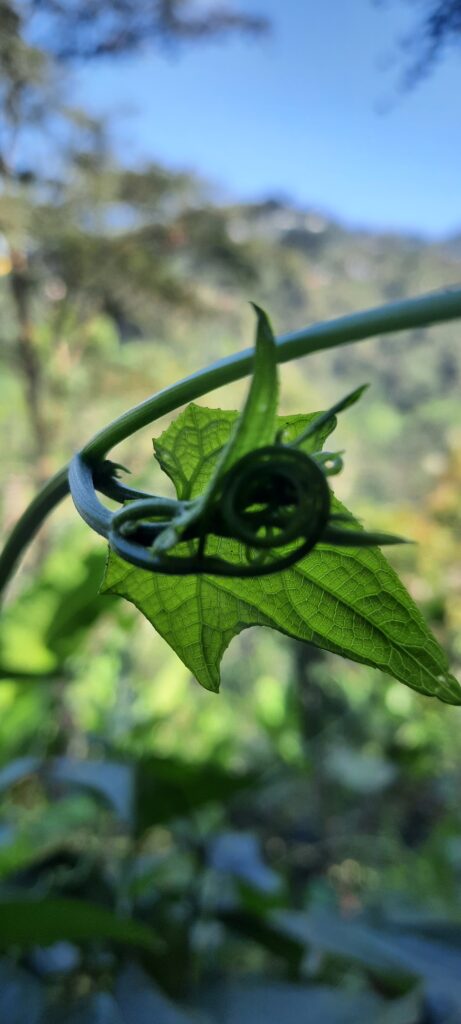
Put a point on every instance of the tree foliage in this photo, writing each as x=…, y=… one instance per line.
x=89, y=28
x=437, y=29
x=82, y=237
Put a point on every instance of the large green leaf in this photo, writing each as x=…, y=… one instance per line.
x=381, y=948
x=30, y=922
x=345, y=600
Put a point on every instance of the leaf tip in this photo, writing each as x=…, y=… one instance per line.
x=210, y=683
x=357, y=394
x=264, y=324
x=260, y=312
x=448, y=689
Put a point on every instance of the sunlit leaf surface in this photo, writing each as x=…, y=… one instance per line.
x=348, y=601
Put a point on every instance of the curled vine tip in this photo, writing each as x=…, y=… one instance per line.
x=274, y=505
x=265, y=507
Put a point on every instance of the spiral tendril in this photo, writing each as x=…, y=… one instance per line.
x=275, y=496
x=275, y=502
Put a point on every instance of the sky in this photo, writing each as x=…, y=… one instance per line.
x=312, y=113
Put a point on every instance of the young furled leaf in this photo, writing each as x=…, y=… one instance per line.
x=345, y=600
x=254, y=428
x=257, y=423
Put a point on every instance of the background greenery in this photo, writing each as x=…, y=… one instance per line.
x=290, y=849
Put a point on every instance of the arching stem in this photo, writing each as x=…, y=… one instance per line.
x=421, y=312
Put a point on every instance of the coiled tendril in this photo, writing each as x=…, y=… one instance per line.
x=274, y=496
x=271, y=499
x=275, y=502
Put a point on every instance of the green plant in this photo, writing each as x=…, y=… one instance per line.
x=255, y=535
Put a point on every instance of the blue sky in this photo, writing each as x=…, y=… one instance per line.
x=299, y=114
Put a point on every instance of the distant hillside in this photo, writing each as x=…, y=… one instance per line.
x=306, y=268
x=206, y=262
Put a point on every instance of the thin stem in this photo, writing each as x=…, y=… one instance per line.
x=30, y=522
x=28, y=358
x=27, y=353
x=429, y=309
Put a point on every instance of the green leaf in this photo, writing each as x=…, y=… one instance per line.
x=239, y=855
x=191, y=446
x=37, y=837
x=112, y=780
x=254, y=428
x=30, y=922
x=348, y=601
x=319, y=421
x=257, y=423
x=384, y=949
x=180, y=787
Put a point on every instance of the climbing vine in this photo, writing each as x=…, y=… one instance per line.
x=255, y=534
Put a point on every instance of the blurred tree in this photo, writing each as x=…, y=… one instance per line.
x=76, y=231
x=438, y=29
x=92, y=28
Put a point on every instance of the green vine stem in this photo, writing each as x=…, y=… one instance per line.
x=429, y=309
